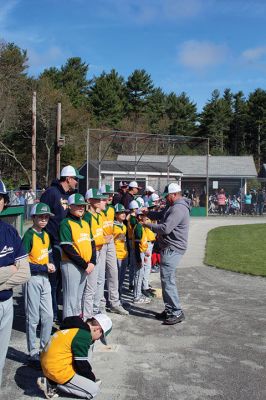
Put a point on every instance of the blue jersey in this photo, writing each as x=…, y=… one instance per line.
x=11, y=250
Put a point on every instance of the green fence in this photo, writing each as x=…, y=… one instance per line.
x=14, y=216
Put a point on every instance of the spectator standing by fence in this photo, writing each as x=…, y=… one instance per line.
x=260, y=202
x=30, y=198
x=247, y=203
x=221, y=200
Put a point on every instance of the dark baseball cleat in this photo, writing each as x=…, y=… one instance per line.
x=174, y=319
x=161, y=316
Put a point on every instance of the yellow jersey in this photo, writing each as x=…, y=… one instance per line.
x=77, y=233
x=151, y=236
x=57, y=358
x=108, y=217
x=37, y=245
x=95, y=221
x=119, y=233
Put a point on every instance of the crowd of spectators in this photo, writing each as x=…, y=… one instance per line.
x=251, y=203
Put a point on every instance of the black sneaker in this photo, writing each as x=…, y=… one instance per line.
x=174, y=319
x=161, y=316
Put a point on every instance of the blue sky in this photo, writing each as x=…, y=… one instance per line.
x=194, y=46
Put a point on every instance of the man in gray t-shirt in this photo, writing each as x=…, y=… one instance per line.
x=172, y=231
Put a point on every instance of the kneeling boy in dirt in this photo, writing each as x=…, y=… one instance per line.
x=65, y=362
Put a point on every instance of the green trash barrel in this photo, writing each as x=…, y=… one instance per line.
x=14, y=216
x=198, y=212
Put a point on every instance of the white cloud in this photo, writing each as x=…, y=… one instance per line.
x=149, y=11
x=52, y=56
x=201, y=55
x=254, y=54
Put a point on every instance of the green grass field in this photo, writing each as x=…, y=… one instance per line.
x=239, y=248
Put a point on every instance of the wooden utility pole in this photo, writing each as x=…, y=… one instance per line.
x=33, y=143
x=58, y=136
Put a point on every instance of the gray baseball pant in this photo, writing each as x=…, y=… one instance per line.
x=147, y=268
x=81, y=387
x=100, y=269
x=6, y=319
x=90, y=290
x=38, y=305
x=73, y=283
x=112, y=280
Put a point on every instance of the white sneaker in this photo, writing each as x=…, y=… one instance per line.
x=142, y=300
x=49, y=390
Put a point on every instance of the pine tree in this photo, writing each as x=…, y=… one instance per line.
x=108, y=98
x=215, y=121
x=182, y=114
x=139, y=87
x=238, y=131
x=72, y=79
x=156, y=104
x=256, y=137
x=15, y=89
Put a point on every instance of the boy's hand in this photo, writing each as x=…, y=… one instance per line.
x=89, y=268
x=51, y=268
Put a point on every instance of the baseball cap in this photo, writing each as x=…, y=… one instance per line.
x=106, y=325
x=139, y=212
x=133, y=205
x=119, y=208
x=71, y=171
x=171, y=188
x=76, y=199
x=106, y=189
x=95, y=194
x=140, y=201
x=134, y=184
x=149, y=189
x=154, y=197
x=2, y=187
x=123, y=184
x=41, y=209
